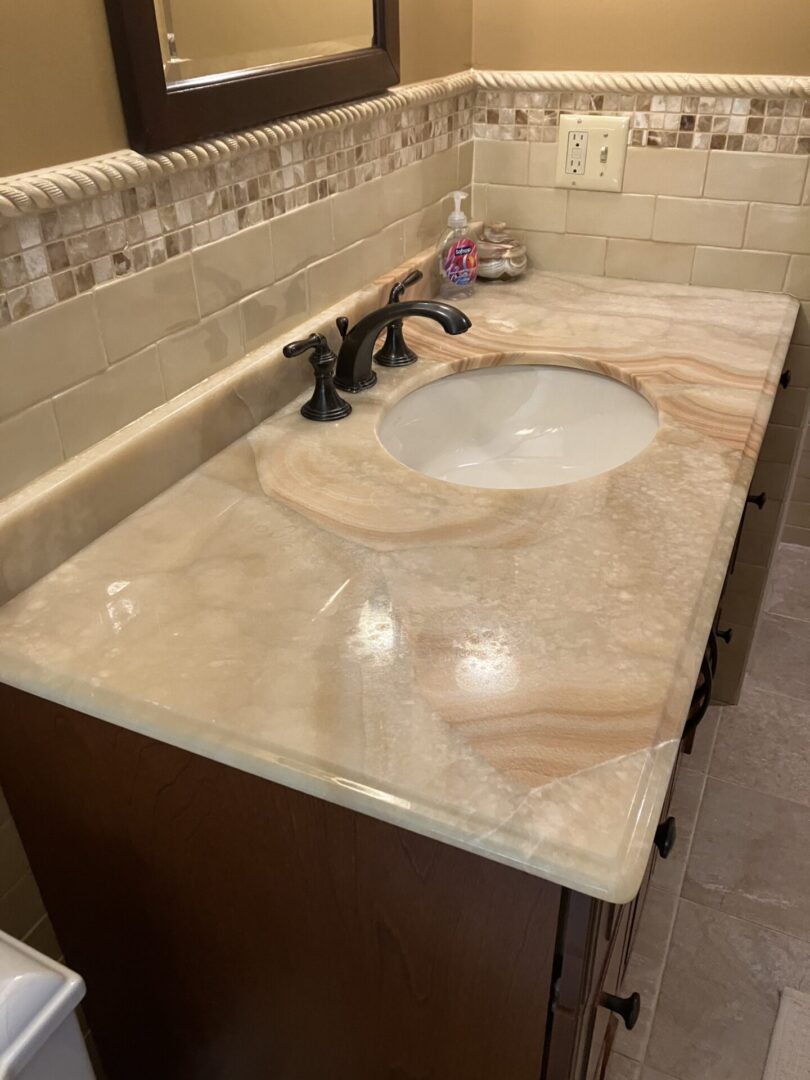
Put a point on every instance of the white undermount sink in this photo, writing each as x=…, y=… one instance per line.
x=519, y=426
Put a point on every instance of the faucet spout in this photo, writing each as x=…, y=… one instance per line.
x=354, y=371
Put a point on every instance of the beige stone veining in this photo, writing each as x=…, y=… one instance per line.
x=508, y=671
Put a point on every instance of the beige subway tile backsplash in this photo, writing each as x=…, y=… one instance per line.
x=699, y=221
x=357, y=213
x=440, y=176
x=566, y=252
x=194, y=354
x=665, y=171
x=29, y=446
x=48, y=352
x=464, y=166
x=603, y=213
x=423, y=228
x=539, y=209
x=779, y=228
x=139, y=310
x=302, y=237
x=232, y=268
x=501, y=162
x=542, y=164
x=777, y=178
x=646, y=260
x=728, y=268
x=270, y=312
x=89, y=412
x=336, y=276
x=403, y=191
x=349, y=269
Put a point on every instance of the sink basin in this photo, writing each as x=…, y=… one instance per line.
x=519, y=426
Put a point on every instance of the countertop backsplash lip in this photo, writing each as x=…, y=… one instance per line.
x=543, y=825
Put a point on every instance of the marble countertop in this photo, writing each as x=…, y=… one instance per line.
x=507, y=671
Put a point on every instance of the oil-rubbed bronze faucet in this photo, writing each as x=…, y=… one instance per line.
x=354, y=371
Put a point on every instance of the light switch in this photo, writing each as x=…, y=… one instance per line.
x=592, y=151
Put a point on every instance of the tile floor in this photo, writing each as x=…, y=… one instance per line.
x=727, y=922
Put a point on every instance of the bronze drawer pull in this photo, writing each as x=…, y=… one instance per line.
x=627, y=1008
x=665, y=836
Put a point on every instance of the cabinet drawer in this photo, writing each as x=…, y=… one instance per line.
x=604, y=1022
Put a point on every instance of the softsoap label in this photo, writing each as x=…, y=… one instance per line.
x=461, y=262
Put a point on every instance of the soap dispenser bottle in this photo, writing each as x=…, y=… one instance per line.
x=458, y=254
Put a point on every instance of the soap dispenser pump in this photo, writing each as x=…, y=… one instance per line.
x=458, y=253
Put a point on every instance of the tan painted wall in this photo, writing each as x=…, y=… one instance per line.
x=762, y=36
x=59, y=92
x=436, y=37
x=57, y=84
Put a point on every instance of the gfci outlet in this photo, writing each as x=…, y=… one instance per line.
x=592, y=151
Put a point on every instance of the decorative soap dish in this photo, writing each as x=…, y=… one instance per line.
x=501, y=256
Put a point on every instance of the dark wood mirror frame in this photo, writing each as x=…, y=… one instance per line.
x=159, y=116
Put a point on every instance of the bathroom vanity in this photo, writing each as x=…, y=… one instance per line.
x=327, y=767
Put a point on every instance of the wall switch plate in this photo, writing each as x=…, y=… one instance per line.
x=592, y=151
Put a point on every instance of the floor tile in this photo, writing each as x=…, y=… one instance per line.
x=764, y=743
x=668, y=873
x=780, y=658
x=654, y=1074
x=652, y=937
x=751, y=858
x=788, y=591
x=720, y=995
x=622, y=1068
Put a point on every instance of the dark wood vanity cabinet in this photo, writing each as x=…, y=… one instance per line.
x=229, y=927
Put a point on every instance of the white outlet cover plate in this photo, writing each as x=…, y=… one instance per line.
x=603, y=132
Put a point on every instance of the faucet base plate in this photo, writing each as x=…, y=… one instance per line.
x=355, y=388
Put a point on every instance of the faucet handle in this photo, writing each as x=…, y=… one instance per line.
x=325, y=403
x=315, y=341
x=394, y=351
x=399, y=287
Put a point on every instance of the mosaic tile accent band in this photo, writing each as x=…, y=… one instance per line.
x=683, y=121
x=65, y=231
x=53, y=256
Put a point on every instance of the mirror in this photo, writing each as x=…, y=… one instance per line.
x=203, y=39
x=192, y=69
